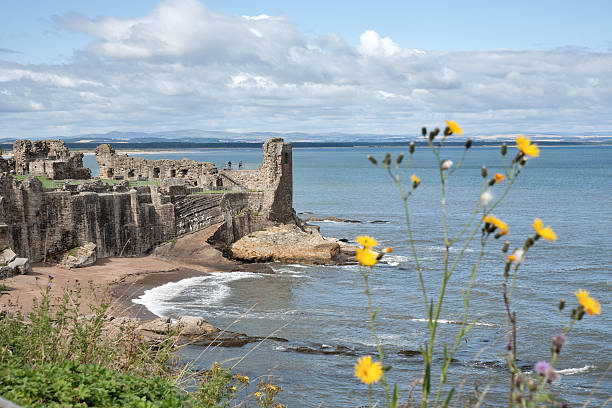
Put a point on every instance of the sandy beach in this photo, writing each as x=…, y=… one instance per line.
x=123, y=278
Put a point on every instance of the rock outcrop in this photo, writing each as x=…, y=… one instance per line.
x=10, y=265
x=79, y=257
x=286, y=243
x=187, y=329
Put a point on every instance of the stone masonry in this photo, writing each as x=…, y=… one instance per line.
x=49, y=158
x=130, y=221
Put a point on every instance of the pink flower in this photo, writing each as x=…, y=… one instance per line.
x=541, y=367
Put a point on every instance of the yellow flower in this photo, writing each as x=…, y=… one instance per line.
x=499, y=177
x=591, y=306
x=525, y=146
x=387, y=250
x=503, y=227
x=366, y=256
x=233, y=388
x=454, y=127
x=258, y=394
x=415, y=180
x=367, y=241
x=367, y=371
x=546, y=233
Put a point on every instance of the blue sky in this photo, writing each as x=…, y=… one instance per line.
x=70, y=67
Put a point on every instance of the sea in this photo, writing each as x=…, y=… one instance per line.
x=322, y=310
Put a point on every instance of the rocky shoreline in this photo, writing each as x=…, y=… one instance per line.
x=188, y=256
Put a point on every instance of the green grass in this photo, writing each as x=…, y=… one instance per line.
x=71, y=384
x=73, y=251
x=133, y=183
x=56, y=184
x=57, y=356
x=211, y=192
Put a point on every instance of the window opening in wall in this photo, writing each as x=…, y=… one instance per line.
x=110, y=173
x=184, y=172
x=173, y=173
x=156, y=172
x=131, y=173
x=195, y=183
x=286, y=158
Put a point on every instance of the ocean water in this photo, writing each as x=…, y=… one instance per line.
x=324, y=307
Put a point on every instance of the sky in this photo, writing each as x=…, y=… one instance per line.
x=70, y=67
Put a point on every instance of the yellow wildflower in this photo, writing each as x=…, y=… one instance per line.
x=415, y=180
x=387, y=250
x=366, y=256
x=525, y=146
x=367, y=371
x=591, y=306
x=454, y=127
x=546, y=233
x=503, y=227
x=258, y=394
x=499, y=177
x=367, y=241
x=233, y=388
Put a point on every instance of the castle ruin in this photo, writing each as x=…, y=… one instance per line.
x=49, y=158
x=124, y=219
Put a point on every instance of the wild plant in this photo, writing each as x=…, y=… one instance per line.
x=58, y=354
x=481, y=228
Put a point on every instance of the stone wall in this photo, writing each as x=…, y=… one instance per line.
x=126, y=221
x=124, y=167
x=49, y=158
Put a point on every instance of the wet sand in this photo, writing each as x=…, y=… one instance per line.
x=123, y=278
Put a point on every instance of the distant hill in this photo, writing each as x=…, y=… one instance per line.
x=194, y=138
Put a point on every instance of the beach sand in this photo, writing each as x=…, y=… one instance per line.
x=123, y=278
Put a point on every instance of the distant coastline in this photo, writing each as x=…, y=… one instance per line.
x=167, y=147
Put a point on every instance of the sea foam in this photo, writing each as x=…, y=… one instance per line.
x=166, y=299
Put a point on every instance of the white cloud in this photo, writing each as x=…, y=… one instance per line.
x=184, y=66
x=373, y=46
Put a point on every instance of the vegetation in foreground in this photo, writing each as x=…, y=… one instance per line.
x=526, y=389
x=58, y=357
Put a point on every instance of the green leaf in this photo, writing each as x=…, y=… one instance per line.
x=395, y=397
x=376, y=312
x=448, y=398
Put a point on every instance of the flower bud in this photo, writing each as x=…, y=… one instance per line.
x=561, y=304
x=372, y=159
x=491, y=182
x=529, y=242
x=580, y=313
x=504, y=149
x=399, y=159
x=506, y=246
x=468, y=143
x=447, y=131
x=446, y=164
x=424, y=131
x=412, y=147
x=532, y=385
x=559, y=341
x=523, y=161
x=483, y=171
x=387, y=160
